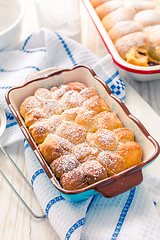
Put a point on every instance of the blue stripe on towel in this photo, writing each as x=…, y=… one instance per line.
x=26, y=146
x=6, y=87
x=78, y=224
x=26, y=41
x=66, y=49
x=11, y=124
x=33, y=51
x=53, y=201
x=10, y=120
x=15, y=70
x=123, y=214
x=36, y=174
x=90, y=203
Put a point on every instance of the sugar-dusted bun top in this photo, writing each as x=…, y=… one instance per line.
x=108, y=7
x=148, y=17
x=141, y=5
x=121, y=14
x=123, y=28
x=125, y=43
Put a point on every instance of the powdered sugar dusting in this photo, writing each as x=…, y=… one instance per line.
x=57, y=93
x=137, y=39
x=52, y=106
x=42, y=94
x=64, y=164
x=72, y=131
x=60, y=121
x=53, y=122
x=141, y=5
x=70, y=100
x=147, y=18
x=108, y=7
x=123, y=28
x=83, y=151
x=106, y=140
x=121, y=14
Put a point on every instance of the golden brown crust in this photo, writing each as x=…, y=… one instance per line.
x=77, y=86
x=108, y=120
x=86, y=94
x=33, y=115
x=57, y=93
x=93, y=171
x=52, y=106
x=42, y=94
x=73, y=180
x=95, y=103
x=54, y=147
x=84, y=152
x=69, y=100
x=39, y=131
x=64, y=164
x=72, y=132
x=28, y=104
x=86, y=174
x=88, y=120
x=103, y=139
x=123, y=135
x=79, y=137
x=111, y=162
x=96, y=3
x=71, y=114
x=131, y=152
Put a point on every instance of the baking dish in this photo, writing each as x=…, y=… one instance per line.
x=114, y=185
x=136, y=72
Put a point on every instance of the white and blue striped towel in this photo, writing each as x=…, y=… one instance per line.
x=131, y=215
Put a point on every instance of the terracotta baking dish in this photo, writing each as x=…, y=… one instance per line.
x=113, y=185
x=136, y=72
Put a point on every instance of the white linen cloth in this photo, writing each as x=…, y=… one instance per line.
x=129, y=216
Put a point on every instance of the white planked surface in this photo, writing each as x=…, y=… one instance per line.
x=15, y=221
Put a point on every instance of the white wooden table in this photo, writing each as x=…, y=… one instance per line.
x=15, y=221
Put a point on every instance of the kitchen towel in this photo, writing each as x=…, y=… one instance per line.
x=131, y=215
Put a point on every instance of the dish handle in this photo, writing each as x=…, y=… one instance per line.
x=42, y=74
x=120, y=185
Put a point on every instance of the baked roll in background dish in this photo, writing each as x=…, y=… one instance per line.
x=133, y=26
